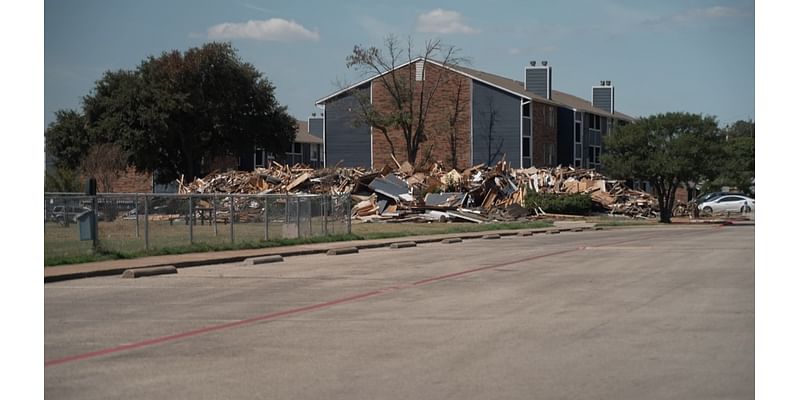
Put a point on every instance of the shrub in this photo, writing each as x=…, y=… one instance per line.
x=577, y=203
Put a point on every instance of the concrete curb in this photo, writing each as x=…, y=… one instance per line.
x=492, y=236
x=199, y=259
x=554, y=232
x=402, y=245
x=140, y=272
x=342, y=250
x=262, y=260
x=526, y=233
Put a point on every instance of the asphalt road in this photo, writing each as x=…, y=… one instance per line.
x=640, y=313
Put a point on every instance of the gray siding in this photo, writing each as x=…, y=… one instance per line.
x=505, y=133
x=537, y=79
x=601, y=98
x=315, y=126
x=346, y=141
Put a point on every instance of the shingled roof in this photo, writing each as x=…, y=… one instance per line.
x=513, y=86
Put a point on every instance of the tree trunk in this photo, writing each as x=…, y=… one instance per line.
x=662, y=194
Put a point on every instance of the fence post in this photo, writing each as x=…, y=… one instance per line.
x=297, y=200
x=190, y=219
x=266, y=217
x=66, y=220
x=232, y=216
x=146, y=223
x=214, y=213
x=310, y=218
x=325, y=214
x=348, y=211
x=136, y=207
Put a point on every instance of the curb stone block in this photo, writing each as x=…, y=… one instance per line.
x=139, y=272
x=452, y=240
x=263, y=260
x=342, y=250
x=401, y=245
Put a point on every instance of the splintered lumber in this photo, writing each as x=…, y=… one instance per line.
x=300, y=179
x=478, y=194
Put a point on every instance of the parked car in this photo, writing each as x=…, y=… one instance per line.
x=728, y=203
x=62, y=214
x=714, y=195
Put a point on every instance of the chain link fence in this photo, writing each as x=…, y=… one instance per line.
x=131, y=222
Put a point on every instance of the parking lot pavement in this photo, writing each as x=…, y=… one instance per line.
x=634, y=313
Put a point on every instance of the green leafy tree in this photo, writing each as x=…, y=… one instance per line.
x=177, y=112
x=67, y=139
x=737, y=164
x=665, y=149
x=62, y=180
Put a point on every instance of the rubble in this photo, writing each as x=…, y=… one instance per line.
x=402, y=193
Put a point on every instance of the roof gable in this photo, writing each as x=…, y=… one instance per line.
x=508, y=85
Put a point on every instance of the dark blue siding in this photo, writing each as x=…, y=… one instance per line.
x=566, y=136
x=345, y=140
x=504, y=138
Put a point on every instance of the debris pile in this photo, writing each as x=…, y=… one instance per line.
x=403, y=193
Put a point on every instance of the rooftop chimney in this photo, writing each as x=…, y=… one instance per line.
x=539, y=80
x=603, y=96
x=315, y=124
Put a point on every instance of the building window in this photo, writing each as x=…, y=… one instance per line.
x=578, y=162
x=551, y=120
x=594, y=122
x=526, y=147
x=526, y=110
x=314, y=152
x=258, y=158
x=578, y=133
x=297, y=148
x=594, y=155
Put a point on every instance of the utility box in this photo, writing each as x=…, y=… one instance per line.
x=86, y=221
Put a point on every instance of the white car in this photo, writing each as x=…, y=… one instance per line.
x=729, y=203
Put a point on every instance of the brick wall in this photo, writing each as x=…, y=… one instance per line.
x=545, y=136
x=437, y=128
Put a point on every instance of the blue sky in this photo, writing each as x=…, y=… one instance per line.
x=696, y=56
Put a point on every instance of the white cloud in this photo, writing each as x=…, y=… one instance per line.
x=273, y=29
x=699, y=15
x=443, y=21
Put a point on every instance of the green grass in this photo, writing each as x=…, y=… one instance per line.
x=120, y=242
x=105, y=254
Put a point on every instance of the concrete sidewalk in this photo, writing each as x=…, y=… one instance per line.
x=116, y=267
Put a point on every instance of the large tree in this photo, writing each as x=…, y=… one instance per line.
x=177, y=112
x=67, y=139
x=410, y=100
x=666, y=150
x=737, y=165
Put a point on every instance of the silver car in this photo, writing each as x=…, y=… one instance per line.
x=729, y=203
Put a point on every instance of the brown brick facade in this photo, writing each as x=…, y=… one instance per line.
x=437, y=146
x=544, y=118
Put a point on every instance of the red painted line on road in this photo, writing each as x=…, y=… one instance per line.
x=131, y=346
x=267, y=317
x=470, y=271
